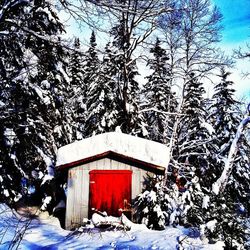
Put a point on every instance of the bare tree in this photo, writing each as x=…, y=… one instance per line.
x=191, y=32
x=131, y=23
x=84, y=9
x=243, y=54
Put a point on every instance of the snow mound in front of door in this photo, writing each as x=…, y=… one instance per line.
x=127, y=145
x=100, y=219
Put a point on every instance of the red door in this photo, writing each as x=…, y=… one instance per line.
x=110, y=191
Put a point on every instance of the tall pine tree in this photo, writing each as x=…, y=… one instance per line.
x=103, y=104
x=78, y=93
x=158, y=96
x=32, y=94
x=195, y=152
x=92, y=62
x=233, y=204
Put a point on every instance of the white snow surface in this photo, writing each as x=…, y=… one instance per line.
x=127, y=145
x=208, y=127
x=44, y=232
x=211, y=225
x=10, y=136
x=2, y=104
x=205, y=202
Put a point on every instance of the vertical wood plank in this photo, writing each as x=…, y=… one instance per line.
x=77, y=199
x=81, y=193
x=107, y=163
x=86, y=166
x=85, y=194
x=121, y=166
x=70, y=199
x=103, y=162
x=114, y=165
x=98, y=164
x=95, y=165
x=135, y=183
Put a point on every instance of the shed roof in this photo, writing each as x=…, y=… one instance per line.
x=114, y=145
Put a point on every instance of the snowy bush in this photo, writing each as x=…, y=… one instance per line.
x=151, y=205
x=161, y=205
x=218, y=218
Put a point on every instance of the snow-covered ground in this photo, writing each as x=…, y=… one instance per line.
x=45, y=233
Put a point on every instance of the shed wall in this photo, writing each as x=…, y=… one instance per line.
x=78, y=187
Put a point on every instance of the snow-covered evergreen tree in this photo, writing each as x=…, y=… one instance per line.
x=225, y=119
x=79, y=89
x=132, y=121
x=194, y=133
x=195, y=149
x=187, y=192
x=103, y=104
x=76, y=66
x=54, y=83
x=224, y=114
x=92, y=62
x=32, y=97
x=158, y=96
x=11, y=66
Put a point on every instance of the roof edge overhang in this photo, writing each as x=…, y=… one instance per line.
x=118, y=157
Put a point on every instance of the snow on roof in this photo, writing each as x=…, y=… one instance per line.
x=123, y=144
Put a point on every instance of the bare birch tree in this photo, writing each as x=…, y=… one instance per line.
x=191, y=33
x=222, y=181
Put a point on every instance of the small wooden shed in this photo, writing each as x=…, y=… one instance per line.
x=106, y=172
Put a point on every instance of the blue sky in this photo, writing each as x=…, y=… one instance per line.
x=236, y=20
x=236, y=33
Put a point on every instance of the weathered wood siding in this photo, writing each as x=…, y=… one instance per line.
x=78, y=187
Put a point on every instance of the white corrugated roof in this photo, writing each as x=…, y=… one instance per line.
x=127, y=145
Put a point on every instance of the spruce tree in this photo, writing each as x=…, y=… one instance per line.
x=232, y=205
x=103, y=104
x=159, y=96
x=34, y=79
x=11, y=66
x=92, y=62
x=195, y=154
x=132, y=122
x=78, y=92
x=76, y=66
x=193, y=132
x=224, y=115
x=180, y=199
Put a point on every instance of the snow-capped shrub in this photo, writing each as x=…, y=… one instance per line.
x=161, y=205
